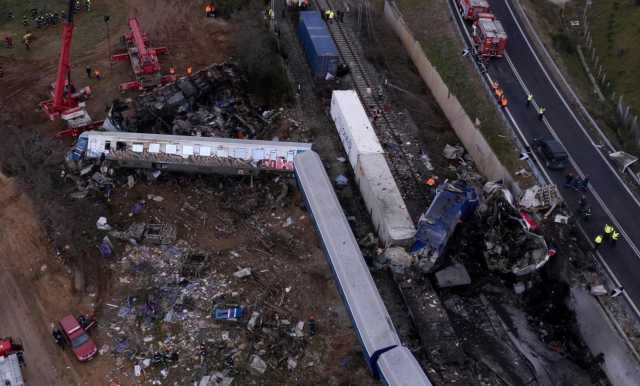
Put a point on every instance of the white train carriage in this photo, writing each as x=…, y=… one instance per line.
x=187, y=153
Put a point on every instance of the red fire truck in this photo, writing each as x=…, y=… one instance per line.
x=489, y=36
x=470, y=9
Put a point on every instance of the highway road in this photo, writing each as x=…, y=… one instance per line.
x=523, y=71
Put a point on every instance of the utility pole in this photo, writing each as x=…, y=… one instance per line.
x=106, y=22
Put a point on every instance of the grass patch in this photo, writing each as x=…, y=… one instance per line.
x=615, y=27
x=552, y=23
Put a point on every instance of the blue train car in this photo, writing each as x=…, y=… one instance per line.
x=453, y=202
x=319, y=47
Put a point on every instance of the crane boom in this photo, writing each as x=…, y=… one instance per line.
x=64, y=66
x=65, y=101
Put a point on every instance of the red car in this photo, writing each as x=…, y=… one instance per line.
x=76, y=336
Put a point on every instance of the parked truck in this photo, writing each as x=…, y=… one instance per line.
x=489, y=36
x=11, y=362
x=470, y=9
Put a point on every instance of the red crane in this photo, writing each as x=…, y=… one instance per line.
x=66, y=100
x=143, y=59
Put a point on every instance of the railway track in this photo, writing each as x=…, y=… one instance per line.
x=401, y=161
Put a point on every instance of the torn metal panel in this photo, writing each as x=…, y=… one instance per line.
x=510, y=246
x=623, y=159
x=539, y=198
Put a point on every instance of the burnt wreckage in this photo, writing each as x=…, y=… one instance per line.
x=211, y=103
x=510, y=245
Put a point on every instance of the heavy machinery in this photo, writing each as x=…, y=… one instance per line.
x=470, y=9
x=67, y=102
x=489, y=36
x=11, y=362
x=143, y=59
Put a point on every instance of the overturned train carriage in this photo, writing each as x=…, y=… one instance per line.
x=383, y=351
x=187, y=153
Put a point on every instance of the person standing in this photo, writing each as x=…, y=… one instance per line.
x=541, y=111
x=529, y=99
x=569, y=179
x=615, y=236
x=97, y=74
x=89, y=71
x=598, y=241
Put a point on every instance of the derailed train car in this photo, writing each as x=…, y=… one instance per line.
x=387, y=359
x=381, y=195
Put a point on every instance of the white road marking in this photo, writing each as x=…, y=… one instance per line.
x=566, y=105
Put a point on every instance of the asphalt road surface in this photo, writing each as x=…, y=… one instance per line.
x=610, y=199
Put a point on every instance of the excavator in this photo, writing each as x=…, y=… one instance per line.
x=67, y=103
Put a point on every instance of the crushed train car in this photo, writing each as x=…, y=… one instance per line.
x=510, y=245
x=454, y=201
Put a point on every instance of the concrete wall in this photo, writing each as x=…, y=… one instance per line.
x=485, y=159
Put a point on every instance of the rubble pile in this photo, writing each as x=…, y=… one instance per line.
x=510, y=246
x=171, y=324
x=212, y=102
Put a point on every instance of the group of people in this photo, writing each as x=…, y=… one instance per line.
x=611, y=235
x=499, y=93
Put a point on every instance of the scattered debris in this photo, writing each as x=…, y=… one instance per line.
x=244, y=272
x=452, y=276
x=452, y=152
x=538, y=198
x=598, y=290
x=102, y=225
x=258, y=365
x=341, y=180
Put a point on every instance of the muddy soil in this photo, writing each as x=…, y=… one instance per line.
x=51, y=241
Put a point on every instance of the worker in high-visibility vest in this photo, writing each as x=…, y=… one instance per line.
x=615, y=236
x=598, y=241
x=503, y=101
x=189, y=70
x=608, y=229
x=541, y=111
x=529, y=99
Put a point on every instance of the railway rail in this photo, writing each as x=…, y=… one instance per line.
x=401, y=161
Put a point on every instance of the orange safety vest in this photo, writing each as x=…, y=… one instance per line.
x=207, y=9
x=189, y=70
x=172, y=70
x=503, y=101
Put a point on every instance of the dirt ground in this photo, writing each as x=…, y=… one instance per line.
x=43, y=233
